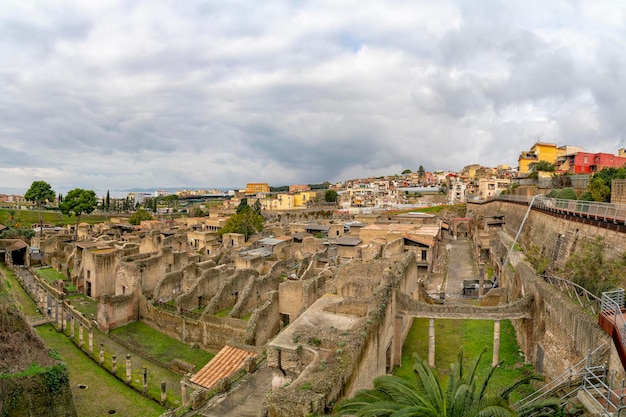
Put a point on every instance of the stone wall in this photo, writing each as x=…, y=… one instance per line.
x=556, y=236
x=116, y=311
x=561, y=333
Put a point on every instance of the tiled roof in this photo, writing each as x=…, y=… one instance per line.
x=227, y=361
x=423, y=239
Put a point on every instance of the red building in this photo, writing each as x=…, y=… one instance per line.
x=588, y=163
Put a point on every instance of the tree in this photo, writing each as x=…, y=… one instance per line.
x=464, y=396
x=243, y=205
x=406, y=171
x=107, y=202
x=600, y=183
x=257, y=206
x=77, y=202
x=247, y=222
x=421, y=171
x=330, y=196
x=40, y=192
x=140, y=215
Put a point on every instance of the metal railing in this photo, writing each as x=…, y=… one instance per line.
x=569, y=382
x=596, y=385
x=585, y=299
x=607, y=212
x=613, y=304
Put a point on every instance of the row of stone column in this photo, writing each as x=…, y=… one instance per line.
x=431, y=342
x=129, y=372
x=61, y=316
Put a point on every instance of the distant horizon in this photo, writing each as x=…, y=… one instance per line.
x=115, y=193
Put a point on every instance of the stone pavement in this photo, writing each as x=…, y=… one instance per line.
x=455, y=263
x=246, y=400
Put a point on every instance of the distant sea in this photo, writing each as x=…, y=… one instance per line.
x=116, y=193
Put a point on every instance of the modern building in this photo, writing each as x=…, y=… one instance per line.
x=540, y=151
x=257, y=187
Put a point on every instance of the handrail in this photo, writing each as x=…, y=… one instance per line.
x=565, y=380
x=601, y=211
x=613, y=303
x=586, y=299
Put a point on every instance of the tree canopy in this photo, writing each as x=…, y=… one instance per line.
x=600, y=183
x=330, y=196
x=77, y=202
x=406, y=171
x=247, y=222
x=140, y=215
x=40, y=192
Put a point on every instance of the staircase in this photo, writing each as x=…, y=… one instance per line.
x=568, y=384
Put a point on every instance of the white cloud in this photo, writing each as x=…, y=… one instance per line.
x=120, y=94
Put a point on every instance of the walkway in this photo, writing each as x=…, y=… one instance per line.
x=244, y=401
x=459, y=265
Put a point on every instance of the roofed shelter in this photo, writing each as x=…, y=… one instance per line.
x=13, y=252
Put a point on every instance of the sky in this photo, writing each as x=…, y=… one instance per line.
x=142, y=94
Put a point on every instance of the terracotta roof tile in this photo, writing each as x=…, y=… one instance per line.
x=227, y=361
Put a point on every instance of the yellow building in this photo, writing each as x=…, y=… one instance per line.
x=257, y=187
x=281, y=202
x=303, y=198
x=540, y=151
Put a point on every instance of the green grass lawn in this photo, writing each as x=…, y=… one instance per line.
x=85, y=305
x=25, y=303
x=55, y=218
x=50, y=274
x=161, y=346
x=224, y=313
x=104, y=392
x=473, y=336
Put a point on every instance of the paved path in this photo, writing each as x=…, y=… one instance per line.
x=245, y=401
x=457, y=262
x=461, y=266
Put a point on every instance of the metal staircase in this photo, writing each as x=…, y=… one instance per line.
x=583, y=375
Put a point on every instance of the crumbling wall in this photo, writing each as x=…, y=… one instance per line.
x=117, y=310
x=229, y=290
x=264, y=323
x=560, y=328
x=393, y=248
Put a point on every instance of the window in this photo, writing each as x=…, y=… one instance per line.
x=585, y=159
x=424, y=254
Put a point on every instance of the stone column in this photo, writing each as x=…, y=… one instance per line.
x=496, y=342
x=59, y=310
x=431, y=342
x=114, y=364
x=145, y=380
x=163, y=395
x=128, y=369
x=101, y=358
x=91, y=341
x=72, y=326
x=183, y=392
x=81, y=342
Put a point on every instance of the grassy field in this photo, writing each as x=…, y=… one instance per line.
x=55, y=218
x=473, y=336
x=50, y=275
x=104, y=392
x=160, y=346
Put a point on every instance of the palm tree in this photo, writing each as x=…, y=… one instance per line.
x=464, y=396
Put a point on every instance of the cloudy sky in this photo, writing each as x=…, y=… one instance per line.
x=122, y=94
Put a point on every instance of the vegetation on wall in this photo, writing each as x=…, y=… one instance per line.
x=589, y=268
